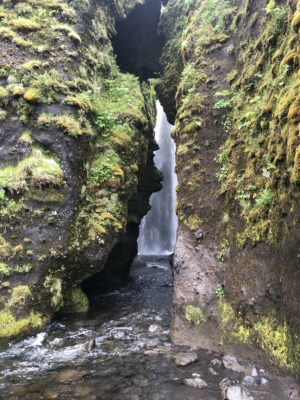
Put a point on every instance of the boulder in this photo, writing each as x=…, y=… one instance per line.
x=197, y=383
x=230, y=362
x=184, y=359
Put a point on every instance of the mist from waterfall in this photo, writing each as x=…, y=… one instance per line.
x=159, y=227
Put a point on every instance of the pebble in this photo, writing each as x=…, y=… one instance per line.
x=212, y=371
x=183, y=359
x=249, y=381
x=90, y=345
x=216, y=363
x=155, y=329
x=197, y=383
x=263, y=381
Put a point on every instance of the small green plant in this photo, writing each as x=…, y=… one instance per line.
x=219, y=292
x=3, y=198
x=4, y=270
x=265, y=199
x=225, y=101
x=221, y=255
x=271, y=6
x=194, y=315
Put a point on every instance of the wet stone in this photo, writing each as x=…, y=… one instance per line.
x=294, y=394
x=197, y=383
x=216, y=363
x=155, y=329
x=71, y=375
x=212, y=371
x=183, y=359
x=34, y=388
x=82, y=391
x=249, y=381
x=262, y=381
x=230, y=362
x=238, y=393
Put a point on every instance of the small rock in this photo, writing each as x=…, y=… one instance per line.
x=254, y=372
x=212, y=371
x=262, y=371
x=223, y=385
x=194, y=375
x=71, y=375
x=118, y=335
x=152, y=343
x=154, y=329
x=183, y=359
x=216, y=363
x=230, y=362
x=199, y=234
x=90, y=345
x=237, y=393
x=294, y=394
x=197, y=383
x=249, y=381
x=262, y=381
x=121, y=333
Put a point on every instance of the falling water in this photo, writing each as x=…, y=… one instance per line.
x=158, y=228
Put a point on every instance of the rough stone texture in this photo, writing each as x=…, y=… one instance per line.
x=230, y=362
x=196, y=273
x=185, y=358
x=236, y=207
x=197, y=383
x=237, y=393
x=66, y=108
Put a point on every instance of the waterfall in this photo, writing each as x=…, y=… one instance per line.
x=158, y=228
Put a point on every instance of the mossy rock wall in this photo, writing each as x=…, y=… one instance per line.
x=75, y=138
x=231, y=78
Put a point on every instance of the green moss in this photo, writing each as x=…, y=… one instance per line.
x=31, y=95
x=3, y=93
x=24, y=24
x=5, y=248
x=26, y=138
x=10, y=327
x=19, y=296
x=77, y=301
x=37, y=170
x=296, y=21
x=4, y=270
x=67, y=123
x=54, y=286
x=274, y=337
x=194, y=315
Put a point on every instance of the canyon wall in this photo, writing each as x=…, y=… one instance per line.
x=230, y=84
x=76, y=168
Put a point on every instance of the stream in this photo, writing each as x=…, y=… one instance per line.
x=133, y=357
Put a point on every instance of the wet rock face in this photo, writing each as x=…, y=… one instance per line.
x=238, y=231
x=137, y=43
x=75, y=145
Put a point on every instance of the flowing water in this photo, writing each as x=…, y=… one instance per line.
x=122, y=350
x=158, y=228
x=133, y=358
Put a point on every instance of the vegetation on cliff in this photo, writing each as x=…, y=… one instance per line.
x=232, y=68
x=73, y=139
